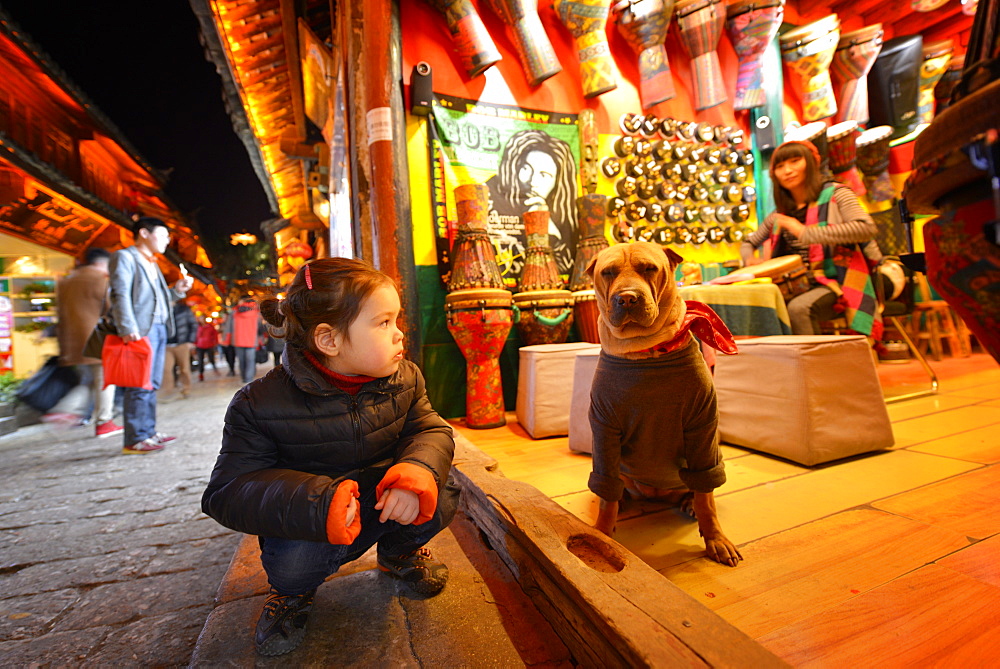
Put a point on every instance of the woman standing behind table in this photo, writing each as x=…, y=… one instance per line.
x=812, y=219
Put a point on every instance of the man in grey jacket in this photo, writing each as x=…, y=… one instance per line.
x=141, y=304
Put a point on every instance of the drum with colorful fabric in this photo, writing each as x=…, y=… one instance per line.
x=473, y=263
x=585, y=315
x=586, y=21
x=480, y=321
x=700, y=23
x=644, y=24
x=873, y=162
x=543, y=316
x=808, y=52
x=752, y=25
x=855, y=55
x=937, y=56
x=926, y=5
x=841, y=141
x=472, y=42
x=533, y=46
x=962, y=245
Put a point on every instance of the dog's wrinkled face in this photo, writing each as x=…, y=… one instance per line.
x=635, y=289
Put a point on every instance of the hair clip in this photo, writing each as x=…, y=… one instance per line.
x=309, y=279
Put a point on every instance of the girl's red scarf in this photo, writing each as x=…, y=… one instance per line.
x=349, y=384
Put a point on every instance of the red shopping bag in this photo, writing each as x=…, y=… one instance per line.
x=128, y=365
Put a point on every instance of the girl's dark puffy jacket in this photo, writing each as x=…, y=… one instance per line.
x=292, y=436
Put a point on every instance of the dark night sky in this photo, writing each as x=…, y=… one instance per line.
x=141, y=63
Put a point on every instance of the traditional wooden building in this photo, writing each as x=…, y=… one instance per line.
x=69, y=179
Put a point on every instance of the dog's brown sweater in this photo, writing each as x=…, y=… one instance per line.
x=656, y=421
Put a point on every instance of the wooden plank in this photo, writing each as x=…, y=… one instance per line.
x=981, y=445
x=607, y=605
x=807, y=570
x=900, y=625
x=978, y=561
x=967, y=503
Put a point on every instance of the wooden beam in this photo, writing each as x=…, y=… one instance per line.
x=608, y=606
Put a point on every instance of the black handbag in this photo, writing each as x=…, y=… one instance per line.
x=94, y=347
x=48, y=385
x=260, y=356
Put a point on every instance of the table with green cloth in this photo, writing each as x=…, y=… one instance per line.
x=748, y=310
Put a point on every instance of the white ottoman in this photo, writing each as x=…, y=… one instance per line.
x=807, y=398
x=581, y=439
x=545, y=372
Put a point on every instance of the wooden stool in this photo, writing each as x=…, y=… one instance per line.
x=932, y=323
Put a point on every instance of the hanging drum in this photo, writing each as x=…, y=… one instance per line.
x=752, y=25
x=855, y=55
x=700, y=23
x=586, y=20
x=475, y=48
x=643, y=24
x=808, y=52
x=533, y=46
x=841, y=141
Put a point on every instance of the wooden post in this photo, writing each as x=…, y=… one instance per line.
x=384, y=119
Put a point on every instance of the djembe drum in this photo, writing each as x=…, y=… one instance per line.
x=814, y=132
x=478, y=310
x=751, y=25
x=586, y=20
x=856, y=53
x=644, y=24
x=841, y=142
x=808, y=52
x=962, y=250
x=480, y=321
x=937, y=56
x=533, y=46
x=543, y=310
x=873, y=160
x=475, y=48
x=700, y=23
x=590, y=216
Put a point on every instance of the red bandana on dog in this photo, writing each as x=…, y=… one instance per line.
x=701, y=320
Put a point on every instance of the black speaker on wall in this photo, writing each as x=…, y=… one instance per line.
x=893, y=84
x=421, y=89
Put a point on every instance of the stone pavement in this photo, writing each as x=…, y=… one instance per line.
x=106, y=559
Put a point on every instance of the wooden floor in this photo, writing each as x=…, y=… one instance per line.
x=886, y=560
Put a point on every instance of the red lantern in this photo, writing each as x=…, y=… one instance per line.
x=297, y=249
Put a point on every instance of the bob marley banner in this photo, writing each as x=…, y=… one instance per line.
x=527, y=158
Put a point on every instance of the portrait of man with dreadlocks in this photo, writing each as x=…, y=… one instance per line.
x=537, y=171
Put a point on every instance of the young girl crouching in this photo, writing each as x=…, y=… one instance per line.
x=336, y=450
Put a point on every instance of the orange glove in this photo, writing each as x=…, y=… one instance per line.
x=408, y=476
x=338, y=531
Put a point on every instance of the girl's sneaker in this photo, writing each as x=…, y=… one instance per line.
x=419, y=569
x=282, y=623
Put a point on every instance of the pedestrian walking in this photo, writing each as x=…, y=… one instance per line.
x=335, y=451
x=206, y=341
x=246, y=336
x=274, y=346
x=81, y=299
x=141, y=307
x=177, y=358
x=226, y=343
